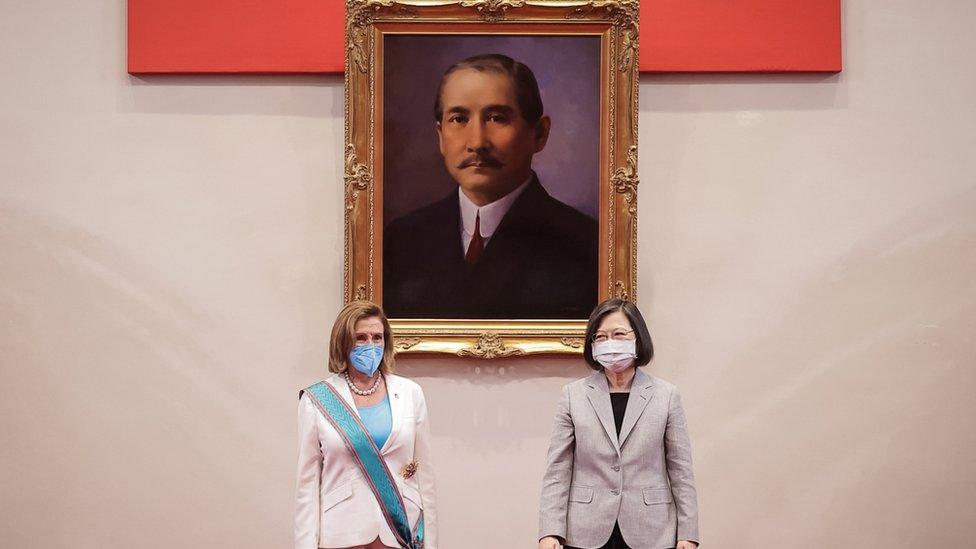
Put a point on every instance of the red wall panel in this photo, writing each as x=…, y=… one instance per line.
x=306, y=36
x=232, y=36
x=740, y=35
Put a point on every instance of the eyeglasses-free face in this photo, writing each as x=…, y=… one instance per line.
x=369, y=330
x=486, y=143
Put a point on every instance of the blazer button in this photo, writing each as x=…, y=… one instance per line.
x=616, y=467
x=615, y=492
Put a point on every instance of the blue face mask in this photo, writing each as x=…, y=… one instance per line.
x=366, y=358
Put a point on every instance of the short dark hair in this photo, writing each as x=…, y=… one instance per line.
x=645, y=349
x=526, y=88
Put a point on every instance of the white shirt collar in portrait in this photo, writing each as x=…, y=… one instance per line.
x=491, y=214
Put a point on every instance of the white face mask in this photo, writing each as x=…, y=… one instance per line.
x=615, y=355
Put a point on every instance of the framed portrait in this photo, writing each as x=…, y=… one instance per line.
x=491, y=169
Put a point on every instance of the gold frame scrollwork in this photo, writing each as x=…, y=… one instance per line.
x=616, y=21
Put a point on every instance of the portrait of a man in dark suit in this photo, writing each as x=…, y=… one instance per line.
x=499, y=245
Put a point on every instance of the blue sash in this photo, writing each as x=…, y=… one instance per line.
x=367, y=455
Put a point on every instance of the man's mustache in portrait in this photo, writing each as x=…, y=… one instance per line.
x=481, y=161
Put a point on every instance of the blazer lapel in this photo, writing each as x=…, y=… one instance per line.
x=599, y=396
x=640, y=396
x=518, y=226
x=446, y=241
x=395, y=394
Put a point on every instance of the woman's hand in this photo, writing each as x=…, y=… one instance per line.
x=550, y=542
x=686, y=545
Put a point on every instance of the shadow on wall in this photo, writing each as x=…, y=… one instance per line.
x=742, y=92
x=497, y=372
x=226, y=94
x=860, y=389
x=127, y=353
x=511, y=410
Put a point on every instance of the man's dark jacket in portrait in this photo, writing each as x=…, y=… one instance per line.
x=541, y=262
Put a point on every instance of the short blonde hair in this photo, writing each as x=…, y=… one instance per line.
x=344, y=335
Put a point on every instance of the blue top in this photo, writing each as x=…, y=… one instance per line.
x=378, y=420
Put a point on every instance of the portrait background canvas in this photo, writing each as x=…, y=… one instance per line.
x=567, y=69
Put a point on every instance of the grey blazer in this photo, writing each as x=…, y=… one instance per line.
x=643, y=481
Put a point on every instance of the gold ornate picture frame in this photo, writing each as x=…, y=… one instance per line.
x=371, y=27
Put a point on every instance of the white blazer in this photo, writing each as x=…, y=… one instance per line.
x=335, y=506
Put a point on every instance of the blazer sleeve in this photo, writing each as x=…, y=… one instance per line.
x=425, y=472
x=559, y=472
x=309, y=476
x=677, y=448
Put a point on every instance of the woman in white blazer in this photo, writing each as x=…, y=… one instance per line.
x=618, y=474
x=337, y=505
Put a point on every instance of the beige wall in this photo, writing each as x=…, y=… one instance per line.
x=170, y=259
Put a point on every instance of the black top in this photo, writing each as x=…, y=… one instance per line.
x=619, y=403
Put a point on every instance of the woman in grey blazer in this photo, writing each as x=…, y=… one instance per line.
x=618, y=474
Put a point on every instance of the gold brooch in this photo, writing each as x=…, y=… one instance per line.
x=409, y=470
